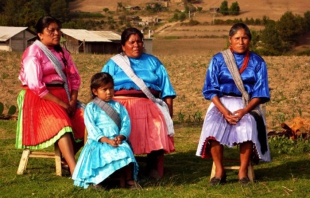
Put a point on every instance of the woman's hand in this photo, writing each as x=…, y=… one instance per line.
x=107, y=140
x=112, y=142
x=74, y=96
x=238, y=115
x=230, y=117
x=118, y=139
x=72, y=105
x=67, y=108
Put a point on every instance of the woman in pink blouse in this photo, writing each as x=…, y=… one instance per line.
x=48, y=101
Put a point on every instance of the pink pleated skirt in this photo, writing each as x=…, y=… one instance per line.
x=148, y=127
x=215, y=127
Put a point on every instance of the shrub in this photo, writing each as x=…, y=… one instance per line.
x=284, y=145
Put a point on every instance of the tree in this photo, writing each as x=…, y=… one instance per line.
x=254, y=39
x=2, y=5
x=31, y=12
x=182, y=16
x=13, y=17
x=271, y=39
x=290, y=27
x=224, y=8
x=119, y=6
x=60, y=10
x=234, y=9
x=106, y=10
x=175, y=17
x=307, y=19
x=265, y=20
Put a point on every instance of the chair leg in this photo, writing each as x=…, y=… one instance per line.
x=23, y=162
x=57, y=160
x=212, y=171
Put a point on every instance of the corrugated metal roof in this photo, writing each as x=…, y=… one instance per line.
x=108, y=35
x=81, y=34
x=7, y=32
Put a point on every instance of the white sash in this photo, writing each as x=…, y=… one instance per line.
x=123, y=62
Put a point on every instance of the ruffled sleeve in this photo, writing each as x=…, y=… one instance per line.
x=211, y=86
x=90, y=123
x=164, y=81
x=261, y=88
x=31, y=73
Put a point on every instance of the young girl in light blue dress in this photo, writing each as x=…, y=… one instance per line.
x=106, y=149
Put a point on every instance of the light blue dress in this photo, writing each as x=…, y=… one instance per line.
x=98, y=160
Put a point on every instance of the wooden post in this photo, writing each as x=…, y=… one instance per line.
x=84, y=47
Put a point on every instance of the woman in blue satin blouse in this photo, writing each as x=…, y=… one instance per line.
x=228, y=122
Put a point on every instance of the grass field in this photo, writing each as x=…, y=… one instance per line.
x=186, y=175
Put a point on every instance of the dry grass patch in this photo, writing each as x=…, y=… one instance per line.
x=187, y=61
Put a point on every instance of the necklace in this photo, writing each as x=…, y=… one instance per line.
x=245, y=61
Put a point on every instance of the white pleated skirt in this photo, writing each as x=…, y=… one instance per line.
x=215, y=127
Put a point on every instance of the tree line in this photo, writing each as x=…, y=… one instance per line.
x=26, y=13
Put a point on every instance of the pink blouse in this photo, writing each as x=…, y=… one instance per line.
x=37, y=70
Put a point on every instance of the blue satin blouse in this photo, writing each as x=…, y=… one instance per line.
x=219, y=81
x=146, y=67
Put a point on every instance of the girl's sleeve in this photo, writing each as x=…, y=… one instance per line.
x=94, y=132
x=211, y=86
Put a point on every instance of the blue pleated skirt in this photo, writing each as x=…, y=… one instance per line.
x=215, y=127
x=98, y=161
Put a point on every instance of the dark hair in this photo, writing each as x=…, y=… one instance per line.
x=98, y=80
x=44, y=22
x=233, y=30
x=128, y=32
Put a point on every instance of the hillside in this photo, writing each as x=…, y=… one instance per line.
x=274, y=9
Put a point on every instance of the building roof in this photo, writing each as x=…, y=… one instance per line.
x=108, y=35
x=7, y=32
x=82, y=34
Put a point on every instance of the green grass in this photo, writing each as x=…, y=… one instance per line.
x=288, y=175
